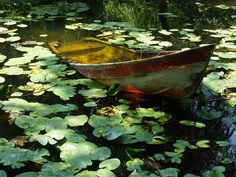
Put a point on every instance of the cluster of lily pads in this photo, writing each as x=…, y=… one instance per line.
x=59, y=127
x=123, y=33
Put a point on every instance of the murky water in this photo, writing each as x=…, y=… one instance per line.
x=194, y=161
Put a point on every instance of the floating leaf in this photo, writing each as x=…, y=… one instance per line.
x=192, y=123
x=222, y=143
x=10, y=23
x=18, y=61
x=101, y=153
x=222, y=6
x=74, y=121
x=90, y=104
x=2, y=58
x=159, y=157
x=226, y=55
x=2, y=79
x=72, y=27
x=16, y=94
x=13, y=71
x=2, y=40
x=93, y=93
x=65, y=92
x=173, y=172
x=165, y=32
x=134, y=164
x=203, y=143
x=13, y=39
x=3, y=173
x=16, y=157
x=3, y=30
x=165, y=43
x=22, y=25
x=27, y=174
x=43, y=35
x=110, y=164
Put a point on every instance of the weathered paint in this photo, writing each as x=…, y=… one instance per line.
x=172, y=74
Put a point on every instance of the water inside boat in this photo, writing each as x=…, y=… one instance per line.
x=93, y=52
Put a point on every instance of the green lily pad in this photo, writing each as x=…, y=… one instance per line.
x=74, y=121
x=90, y=104
x=65, y=92
x=3, y=173
x=27, y=174
x=203, y=143
x=110, y=164
x=192, y=123
x=93, y=93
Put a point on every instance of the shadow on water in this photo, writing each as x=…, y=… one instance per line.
x=194, y=161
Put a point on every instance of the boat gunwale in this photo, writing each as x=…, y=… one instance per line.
x=141, y=60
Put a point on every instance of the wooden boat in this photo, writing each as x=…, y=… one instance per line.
x=172, y=74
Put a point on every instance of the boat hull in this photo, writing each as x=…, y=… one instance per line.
x=169, y=74
x=175, y=76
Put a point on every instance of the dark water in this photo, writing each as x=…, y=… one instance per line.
x=145, y=15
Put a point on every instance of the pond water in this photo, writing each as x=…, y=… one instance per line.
x=206, y=121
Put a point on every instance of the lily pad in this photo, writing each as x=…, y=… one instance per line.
x=18, y=61
x=76, y=120
x=13, y=71
x=2, y=79
x=10, y=23
x=2, y=40
x=2, y=58
x=110, y=164
x=13, y=39
x=93, y=93
x=22, y=25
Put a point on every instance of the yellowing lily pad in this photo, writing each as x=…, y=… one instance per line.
x=2, y=79
x=2, y=40
x=43, y=35
x=13, y=39
x=2, y=58
x=22, y=25
x=10, y=23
